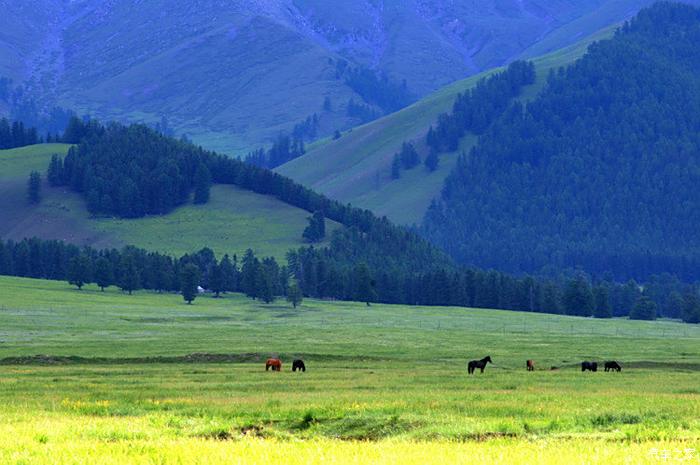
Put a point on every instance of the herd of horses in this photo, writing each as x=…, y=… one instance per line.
x=472, y=366
x=611, y=365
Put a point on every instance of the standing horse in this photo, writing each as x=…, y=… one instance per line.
x=481, y=364
x=590, y=366
x=274, y=363
x=298, y=364
x=530, y=364
x=612, y=366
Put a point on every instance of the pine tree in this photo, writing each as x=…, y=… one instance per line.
x=55, y=171
x=249, y=274
x=396, y=167
x=104, y=277
x=189, y=280
x=364, y=284
x=578, y=298
x=229, y=275
x=691, y=308
x=216, y=279
x=130, y=277
x=602, y=308
x=644, y=309
x=34, y=188
x=432, y=161
x=79, y=270
x=294, y=295
x=202, y=184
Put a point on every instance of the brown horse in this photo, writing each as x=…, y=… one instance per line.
x=530, y=365
x=274, y=363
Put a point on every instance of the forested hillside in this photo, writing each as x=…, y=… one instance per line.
x=233, y=75
x=600, y=171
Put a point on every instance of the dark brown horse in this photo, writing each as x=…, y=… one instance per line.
x=612, y=366
x=298, y=364
x=590, y=366
x=274, y=363
x=480, y=364
x=530, y=364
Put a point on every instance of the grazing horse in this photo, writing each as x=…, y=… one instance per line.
x=590, y=366
x=530, y=364
x=612, y=366
x=274, y=363
x=481, y=364
x=298, y=364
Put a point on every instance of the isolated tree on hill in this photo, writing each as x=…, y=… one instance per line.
x=79, y=270
x=104, y=277
x=34, y=188
x=294, y=295
x=644, y=309
x=327, y=105
x=189, y=280
x=336, y=135
x=130, y=277
x=202, y=184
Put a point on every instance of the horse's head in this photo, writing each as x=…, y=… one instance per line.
x=488, y=359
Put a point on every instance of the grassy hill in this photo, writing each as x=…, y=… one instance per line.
x=356, y=168
x=148, y=378
x=232, y=221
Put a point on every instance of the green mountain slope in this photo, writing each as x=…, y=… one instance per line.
x=232, y=221
x=356, y=168
x=233, y=75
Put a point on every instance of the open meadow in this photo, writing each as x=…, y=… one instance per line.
x=92, y=377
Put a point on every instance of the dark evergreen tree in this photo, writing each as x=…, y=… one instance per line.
x=34, y=188
x=396, y=167
x=602, y=309
x=316, y=230
x=364, y=284
x=644, y=309
x=432, y=161
x=189, y=280
x=129, y=274
x=578, y=297
x=79, y=270
x=55, y=171
x=216, y=280
x=691, y=308
x=294, y=295
x=104, y=276
x=202, y=184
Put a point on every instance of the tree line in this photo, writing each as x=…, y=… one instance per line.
x=325, y=274
x=600, y=171
x=474, y=110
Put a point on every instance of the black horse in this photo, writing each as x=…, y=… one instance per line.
x=590, y=366
x=612, y=366
x=481, y=364
x=298, y=365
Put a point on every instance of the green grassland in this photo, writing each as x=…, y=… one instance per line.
x=357, y=167
x=130, y=386
x=232, y=221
